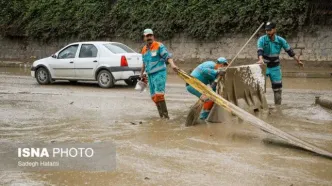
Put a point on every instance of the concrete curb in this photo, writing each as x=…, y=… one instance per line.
x=308, y=74
x=15, y=64
x=320, y=73
x=294, y=73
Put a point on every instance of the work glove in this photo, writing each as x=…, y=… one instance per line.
x=143, y=78
x=204, y=98
x=214, y=85
x=221, y=72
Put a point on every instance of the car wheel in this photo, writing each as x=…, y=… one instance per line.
x=131, y=82
x=105, y=79
x=72, y=82
x=43, y=76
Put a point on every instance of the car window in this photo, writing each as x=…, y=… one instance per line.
x=118, y=48
x=68, y=52
x=88, y=50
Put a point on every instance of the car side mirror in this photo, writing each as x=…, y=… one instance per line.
x=54, y=55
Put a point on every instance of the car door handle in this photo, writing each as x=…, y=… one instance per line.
x=95, y=61
x=71, y=62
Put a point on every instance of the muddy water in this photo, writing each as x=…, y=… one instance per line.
x=165, y=153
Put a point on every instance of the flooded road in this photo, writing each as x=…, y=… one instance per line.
x=156, y=152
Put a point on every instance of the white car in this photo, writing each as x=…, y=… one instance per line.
x=105, y=62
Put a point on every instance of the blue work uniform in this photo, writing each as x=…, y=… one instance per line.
x=270, y=50
x=206, y=73
x=155, y=59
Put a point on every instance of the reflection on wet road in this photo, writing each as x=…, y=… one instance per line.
x=156, y=152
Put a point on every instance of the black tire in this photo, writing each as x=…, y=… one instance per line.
x=105, y=79
x=131, y=82
x=43, y=77
x=72, y=82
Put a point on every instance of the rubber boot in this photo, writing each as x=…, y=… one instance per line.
x=164, y=109
x=159, y=109
x=277, y=97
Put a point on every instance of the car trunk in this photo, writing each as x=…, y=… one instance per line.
x=128, y=57
x=133, y=59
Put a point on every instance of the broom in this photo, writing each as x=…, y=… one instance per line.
x=195, y=110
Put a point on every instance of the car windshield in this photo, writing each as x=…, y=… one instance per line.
x=118, y=48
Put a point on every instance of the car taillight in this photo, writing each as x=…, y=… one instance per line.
x=124, y=62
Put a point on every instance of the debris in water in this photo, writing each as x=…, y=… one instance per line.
x=324, y=102
x=133, y=123
x=146, y=178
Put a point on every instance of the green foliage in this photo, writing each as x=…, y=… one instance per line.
x=92, y=19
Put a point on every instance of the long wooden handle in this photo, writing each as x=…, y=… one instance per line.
x=219, y=77
x=260, y=26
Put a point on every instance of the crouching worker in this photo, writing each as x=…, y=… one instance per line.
x=207, y=72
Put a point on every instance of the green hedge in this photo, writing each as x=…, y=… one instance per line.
x=92, y=19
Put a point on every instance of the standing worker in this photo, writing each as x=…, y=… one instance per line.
x=269, y=47
x=207, y=72
x=155, y=58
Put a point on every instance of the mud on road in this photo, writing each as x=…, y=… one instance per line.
x=156, y=152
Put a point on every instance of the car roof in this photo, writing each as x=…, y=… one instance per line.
x=95, y=42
